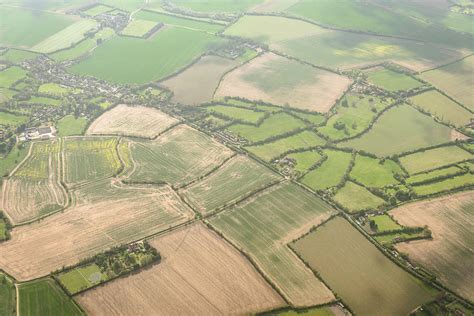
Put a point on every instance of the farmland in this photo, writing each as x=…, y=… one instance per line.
x=237, y=114
x=375, y=173
x=70, y=126
x=304, y=160
x=97, y=9
x=368, y=282
x=7, y=295
x=391, y=80
x=354, y=198
x=200, y=273
x=434, y=174
x=17, y=56
x=11, y=119
x=385, y=223
x=138, y=28
x=179, y=22
x=279, y=215
x=445, y=185
x=137, y=121
x=217, y=6
x=11, y=75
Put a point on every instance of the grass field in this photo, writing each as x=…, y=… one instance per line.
x=7, y=296
x=6, y=95
x=375, y=173
x=77, y=51
x=264, y=225
x=236, y=113
x=444, y=185
x=270, y=151
x=359, y=273
x=55, y=89
x=443, y=108
x=81, y=278
x=277, y=124
x=430, y=175
x=17, y=56
x=280, y=81
x=237, y=178
x=44, y=297
x=14, y=157
x=97, y=9
x=385, y=223
x=355, y=198
x=391, y=80
x=217, y=6
x=304, y=160
x=43, y=101
x=7, y=118
x=330, y=173
x=128, y=60
x=331, y=310
x=71, y=126
x=138, y=28
x=179, y=22
x=400, y=129
x=434, y=158
x=3, y=230
x=454, y=79
x=11, y=75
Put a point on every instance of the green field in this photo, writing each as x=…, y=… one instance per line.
x=6, y=94
x=313, y=118
x=235, y=179
x=97, y=9
x=330, y=173
x=138, y=28
x=132, y=60
x=445, y=185
x=355, y=198
x=43, y=101
x=392, y=81
x=235, y=113
x=54, y=89
x=17, y=56
x=443, y=108
x=11, y=75
x=274, y=125
x=431, y=175
x=217, y=6
x=261, y=228
x=434, y=158
x=11, y=119
x=44, y=297
x=388, y=240
x=398, y=130
x=81, y=278
x=310, y=311
x=384, y=223
x=375, y=173
x=304, y=160
x=3, y=232
x=70, y=126
x=270, y=151
x=7, y=296
x=354, y=113
x=14, y=157
x=179, y=22
x=367, y=281
x=80, y=49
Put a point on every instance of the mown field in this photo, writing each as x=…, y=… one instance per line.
x=81, y=278
x=391, y=80
x=355, y=198
x=356, y=270
x=263, y=226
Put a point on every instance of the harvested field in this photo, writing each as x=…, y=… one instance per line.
x=178, y=156
x=359, y=273
x=263, y=225
x=280, y=81
x=199, y=274
x=136, y=121
x=197, y=84
x=450, y=253
x=104, y=216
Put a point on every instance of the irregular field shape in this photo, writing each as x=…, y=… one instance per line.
x=199, y=274
x=385, y=223
x=375, y=173
x=217, y=6
x=104, y=218
x=362, y=276
x=11, y=75
x=179, y=21
x=189, y=87
x=280, y=81
x=237, y=113
x=263, y=225
x=17, y=56
x=445, y=185
x=304, y=160
x=449, y=253
x=392, y=80
x=235, y=179
x=429, y=175
x=12, y=119
x=138, y=27
x=178, y=156
x=356, y=198
x=137, y=121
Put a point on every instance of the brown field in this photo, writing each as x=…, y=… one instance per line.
x=200, y=274
x=126, y=120
x=450, y=254
x=85, y=229
x=277, y=80
x=196, y=84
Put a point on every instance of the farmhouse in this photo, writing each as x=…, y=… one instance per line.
x=45, y=132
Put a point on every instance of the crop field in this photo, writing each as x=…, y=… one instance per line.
x=7, y=296
x=199, y=274
x=178, y=156
x=12, y=119
x=330, y=173
x=97, y=9
x=136, y=121
x=138, y=28
x=179, y=21
x=128, y=60
x=237, y=113
x=188, y=86
x=359, y=273
x=355, y=198
x=431, y=175
x=280, y=81
x=354, y=113
x=455, y=79
x=405, y=129
x=375, y=173
x=391, y=80
x=11, y=75
x=270, y=151
x=66, y=37
x=237, y=178
x=71, y=126
x=445, y=185
x=442, y=107
x=264, y=225
x=277, y=124
x=44, y=297
x=447, y=255
x=273, y=6
x=434, y=158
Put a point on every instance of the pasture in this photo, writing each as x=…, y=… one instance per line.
x=217, y=6
x=236, y=113
x=77, y=51
x=7, y=296
x=11, y=75
x=53, y=89
x=97, y=9
x=176, y=21
x=13, y=158
x=35, y=100
x=428, y=176
x=178, y=156
x=81, y=278
x=356, y=198
x=71, y=126
x=446, y=254
x=384, y=223
x=375, y=173
x=138, y=28
x=272, y=150
x=17, y=56
x=188, y=86
x=280, y=81
x=237, y=178
x=391, y=80
x=304, y=160
x=10, y=119
x=135, y=121
x=263, y=225
x=127, y=60
x=398, y=130
x=359, y=273
x=445, y=185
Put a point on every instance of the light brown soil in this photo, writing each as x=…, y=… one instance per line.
x=451, y=252
x=128, y=120
x=455, y=135
x=200, y=274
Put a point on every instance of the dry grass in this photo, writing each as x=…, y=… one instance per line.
x=200, y=274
